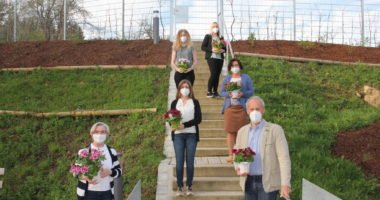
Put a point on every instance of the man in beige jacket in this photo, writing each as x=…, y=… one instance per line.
x=270, y=171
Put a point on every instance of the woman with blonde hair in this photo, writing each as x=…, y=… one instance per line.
x=186, y=136
x=214, y=46
x=183, y=52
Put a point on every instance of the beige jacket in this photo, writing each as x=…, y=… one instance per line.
x=274, y=156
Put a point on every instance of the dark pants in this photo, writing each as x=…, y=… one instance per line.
x=95, y=195
x=215, y=66
x=185, y=143
x=254, y=190
x=178, y=77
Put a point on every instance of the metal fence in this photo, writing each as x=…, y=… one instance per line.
x=354, y=22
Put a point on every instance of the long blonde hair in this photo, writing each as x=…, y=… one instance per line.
x=178, y=43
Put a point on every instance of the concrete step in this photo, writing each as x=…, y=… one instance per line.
x=202, y=98
x=211, y=151
x=218, y=195
x=212, y=115
x=212, y=106
x=213, y=184
x=212, y=142
x=212, y=124
x=220, y=170
x=212, y=132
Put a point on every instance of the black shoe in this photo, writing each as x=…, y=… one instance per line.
x=216, y=95
x=209, y=95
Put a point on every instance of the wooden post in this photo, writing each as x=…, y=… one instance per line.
x=2, y=170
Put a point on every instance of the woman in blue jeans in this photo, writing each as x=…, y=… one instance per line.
x=186, y=136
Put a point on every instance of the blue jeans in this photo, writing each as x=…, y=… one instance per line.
x=254, y=190
x=96, y=195
x=185, y=143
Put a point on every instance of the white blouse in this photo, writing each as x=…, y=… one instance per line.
x=187, y=111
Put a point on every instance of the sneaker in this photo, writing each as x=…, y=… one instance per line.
x=179, y=192
x=209, y=95
x=216, y=95
x=189, y=191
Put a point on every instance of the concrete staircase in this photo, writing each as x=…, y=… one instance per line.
x=214, y=179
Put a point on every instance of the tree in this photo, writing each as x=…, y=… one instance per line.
x=50, y=14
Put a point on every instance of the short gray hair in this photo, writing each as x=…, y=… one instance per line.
x=255, y=98
x=93, y=127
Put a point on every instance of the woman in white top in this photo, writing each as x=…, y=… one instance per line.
x=101, y=186
x=186, y=136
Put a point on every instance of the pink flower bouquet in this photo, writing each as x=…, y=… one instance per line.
x=87, y=163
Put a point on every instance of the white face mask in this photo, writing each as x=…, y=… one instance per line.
x=215, y=30
x=183, y=38
x=99, y=138
x=255, y=116
x=185, y=91
x=235, y=70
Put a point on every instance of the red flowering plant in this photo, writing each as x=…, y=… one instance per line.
x=243, y=155
x=87, y=163
x=173, y=117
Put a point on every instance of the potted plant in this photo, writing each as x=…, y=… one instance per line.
x=242, y=159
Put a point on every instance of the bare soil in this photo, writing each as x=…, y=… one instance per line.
x=361, y=146
x=336, y=52
x=68, y=53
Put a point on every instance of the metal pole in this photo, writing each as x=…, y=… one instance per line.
x=156, y=27
x=172, y=3
x=119, y=185
x=64, y=19
x=221, y=16
x=122, y=22
x=294, y=20
x=362, y=26
x=15, y=21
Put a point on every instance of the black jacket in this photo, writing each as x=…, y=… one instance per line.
x=197, y=117
x=207, y=46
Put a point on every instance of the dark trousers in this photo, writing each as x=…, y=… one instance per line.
x=215, y=66
x=185, y=144
x=178, y=77
x=254, y=189
x=96, y=195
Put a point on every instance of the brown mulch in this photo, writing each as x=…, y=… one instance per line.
x=361, y=146
x=336, y=52
x=68, y=53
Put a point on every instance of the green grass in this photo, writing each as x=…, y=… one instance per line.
x=37, y=152
x=314, y=102
x=46, y=90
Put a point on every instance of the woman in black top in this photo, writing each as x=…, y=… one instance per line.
x=214, y=46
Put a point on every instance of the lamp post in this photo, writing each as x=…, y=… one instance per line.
x=156, y=33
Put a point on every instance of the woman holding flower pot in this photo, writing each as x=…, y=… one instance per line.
x=214, y=46
x=186, y=135
x=236, y=89
x=184, y=57
x=99, y=187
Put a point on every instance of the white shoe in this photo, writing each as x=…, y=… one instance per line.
x=180, y=193
x=189, y=191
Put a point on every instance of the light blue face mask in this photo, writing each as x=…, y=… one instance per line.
x=185, y=91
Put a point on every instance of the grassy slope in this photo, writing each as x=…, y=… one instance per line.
x=313, y=103
x=37, y=152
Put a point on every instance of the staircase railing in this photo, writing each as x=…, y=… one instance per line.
x=229, y=50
